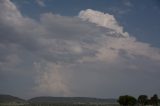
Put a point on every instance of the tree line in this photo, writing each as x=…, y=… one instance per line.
x=142, y=100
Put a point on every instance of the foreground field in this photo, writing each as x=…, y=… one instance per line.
x=60, y=104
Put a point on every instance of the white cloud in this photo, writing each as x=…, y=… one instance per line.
x=41, y=3
x=130, y=46
x=67, y=56
x=9, y=13
x=102, y=19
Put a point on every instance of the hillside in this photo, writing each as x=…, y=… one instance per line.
x=9, y=98
x=45, y=99
x=70, y=100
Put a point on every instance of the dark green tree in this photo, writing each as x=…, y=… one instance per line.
x=154, y=100
x=127, y=100
x=142, y=100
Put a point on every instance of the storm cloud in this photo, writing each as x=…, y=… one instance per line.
x=86, y=55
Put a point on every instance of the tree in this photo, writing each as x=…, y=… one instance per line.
x=127, y=100
x=143, y=99
x=154, y=100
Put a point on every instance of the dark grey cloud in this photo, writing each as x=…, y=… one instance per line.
x=73, y=56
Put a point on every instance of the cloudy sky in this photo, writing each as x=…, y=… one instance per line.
x=88, y=48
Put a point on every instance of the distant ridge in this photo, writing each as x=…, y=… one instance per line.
x=49, y=99
x=9, y=98
x=45, y=99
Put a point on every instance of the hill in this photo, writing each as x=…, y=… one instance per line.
x=71, y=100
x=44, y=99
x=9, y=99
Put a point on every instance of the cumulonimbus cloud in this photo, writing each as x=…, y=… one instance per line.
x=102, y=19
x=74, y=56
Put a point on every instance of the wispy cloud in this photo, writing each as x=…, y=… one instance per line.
x=127, y=3
x=41, y=3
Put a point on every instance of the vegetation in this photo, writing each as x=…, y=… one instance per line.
x=143, y=100
x=154, y=100
x=127, y=100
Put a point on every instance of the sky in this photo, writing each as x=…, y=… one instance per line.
x=85, y=48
